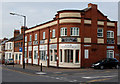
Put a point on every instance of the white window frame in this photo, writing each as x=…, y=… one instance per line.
x=86, y=54
x=53, y=33
x=25, y=38
x=30, y=37
x=35, y=36
x=75, y=31
x=100, y=32
x=63, y=31
x=110, y=34
x=109, y=52
x=43, y=35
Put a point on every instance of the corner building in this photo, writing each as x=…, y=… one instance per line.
x=73, y=39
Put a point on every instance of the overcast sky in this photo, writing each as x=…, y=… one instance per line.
x=40, y=12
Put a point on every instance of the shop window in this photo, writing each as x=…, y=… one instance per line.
x=30, y=54
x=74, y=31
x=55, y=51
x=110, y=53
x=77, y=56
x=64, y=31
x=51, y=55
x=60, y=55
x=10, y=55
x=35, y=54
x=20, y=56
x=43, y=55
x=69, y=56
x=86, y=54
x=16, y=57
x=99, y=32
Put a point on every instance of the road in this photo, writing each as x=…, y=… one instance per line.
x=84, y=75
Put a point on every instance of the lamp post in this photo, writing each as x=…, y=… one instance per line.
x=23, y=36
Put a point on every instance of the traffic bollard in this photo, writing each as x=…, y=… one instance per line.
x=41, y=67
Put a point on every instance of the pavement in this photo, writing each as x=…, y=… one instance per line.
x=51, y=74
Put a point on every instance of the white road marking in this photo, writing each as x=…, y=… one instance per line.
x=40, y=73
x=99, y=77
x=57, y=72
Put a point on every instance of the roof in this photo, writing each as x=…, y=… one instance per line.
x=19, y=37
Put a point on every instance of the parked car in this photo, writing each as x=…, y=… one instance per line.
x=107, y=63
x=9, y=61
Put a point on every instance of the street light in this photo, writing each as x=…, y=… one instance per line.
x=23, y=37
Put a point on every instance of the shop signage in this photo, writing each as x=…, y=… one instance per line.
x=30, y=48
x=53, y=46
x=43, y=47
x=42, y=41
x=110, y=47
x=76, y=46
x=35, y=47
x=30, y=43
x=20, y=49
x=69, y=39
x=35, y=42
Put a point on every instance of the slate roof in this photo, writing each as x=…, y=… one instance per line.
x=19, y=37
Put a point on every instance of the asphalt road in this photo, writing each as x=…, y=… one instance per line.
x=84, y=75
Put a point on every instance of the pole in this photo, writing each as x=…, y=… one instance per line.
x=24, y=42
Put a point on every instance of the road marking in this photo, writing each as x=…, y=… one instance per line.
x=40, y=73
x=98, y=80
x=99, y=77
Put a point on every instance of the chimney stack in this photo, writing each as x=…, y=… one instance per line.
x=92, y=5
x=16, y=32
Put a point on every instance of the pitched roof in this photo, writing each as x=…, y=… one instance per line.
x=19, y=37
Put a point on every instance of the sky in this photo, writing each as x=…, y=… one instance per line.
x=40, y=12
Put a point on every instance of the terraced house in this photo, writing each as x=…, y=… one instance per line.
x=73, y=39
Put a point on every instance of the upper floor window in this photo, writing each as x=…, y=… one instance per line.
x=25, y=38
x=74, y=31
x=10, y=46
x=64, y=31
x=99, y=32
x=35, y=36
x=53, y=33
x=110, y=34
x=43, y=35
x=30, y=37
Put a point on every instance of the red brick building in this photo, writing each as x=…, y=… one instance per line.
x=73, y=39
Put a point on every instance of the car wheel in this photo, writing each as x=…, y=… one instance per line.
x=101, y=67
x=117, y=66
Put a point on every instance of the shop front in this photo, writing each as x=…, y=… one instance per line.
x=69, y=55
x=43, y=55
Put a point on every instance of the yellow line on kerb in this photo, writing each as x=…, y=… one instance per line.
x=98, y=80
